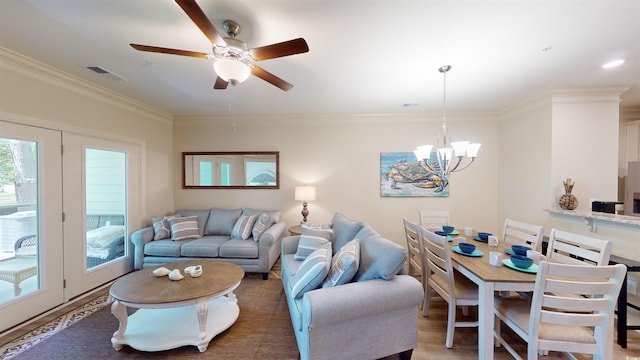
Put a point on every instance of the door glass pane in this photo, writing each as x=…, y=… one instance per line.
x=18, y=218
x=106, y=203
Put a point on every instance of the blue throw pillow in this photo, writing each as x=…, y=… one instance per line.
x=344, y=264
x=308, y=244
x=312, y=272
x=242, y=228
x=263, y=222
x=345, y=230
x=379, y=259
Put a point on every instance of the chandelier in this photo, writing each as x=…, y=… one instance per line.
x=449, y=155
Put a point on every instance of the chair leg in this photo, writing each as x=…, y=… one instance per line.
x=451, y=324
x=426, y=300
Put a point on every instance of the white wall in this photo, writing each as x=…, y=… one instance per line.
x=525, y=162
x=584, y=146
x=340, y=155
x=35, y=94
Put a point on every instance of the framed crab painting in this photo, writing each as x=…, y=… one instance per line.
x=402, y=175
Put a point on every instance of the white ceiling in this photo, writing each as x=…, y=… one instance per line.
x=366, y=56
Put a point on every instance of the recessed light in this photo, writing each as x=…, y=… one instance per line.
x=612, y=64
x=410, y=105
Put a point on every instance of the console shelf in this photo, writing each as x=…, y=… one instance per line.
x=590, y=217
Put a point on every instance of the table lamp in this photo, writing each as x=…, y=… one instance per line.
x=305, y=193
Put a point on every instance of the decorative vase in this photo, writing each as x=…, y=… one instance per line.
x=568, y=201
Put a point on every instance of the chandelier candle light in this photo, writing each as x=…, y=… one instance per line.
x=445, y=149
x=305, y=193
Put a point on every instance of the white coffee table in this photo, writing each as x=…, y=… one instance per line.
x=170, y=314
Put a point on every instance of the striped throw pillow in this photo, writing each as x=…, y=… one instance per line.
x=242, y=228
x=184, y=228
x=312, y=272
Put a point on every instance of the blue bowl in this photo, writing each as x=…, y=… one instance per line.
x=521, y=261
x=441, y=233
x=484, y=236
x=467, y=248
x=448, y=229
x=520, y=249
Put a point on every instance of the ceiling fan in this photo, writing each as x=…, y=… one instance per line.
x=234, y=60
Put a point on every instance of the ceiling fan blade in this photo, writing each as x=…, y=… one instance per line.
x=285, y=48
x=220, y=84
x=270, y=78
x=163, y=50
x=202, y=21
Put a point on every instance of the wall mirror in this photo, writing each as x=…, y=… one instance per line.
x=231, y=170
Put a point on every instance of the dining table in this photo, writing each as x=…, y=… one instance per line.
x=489, y=279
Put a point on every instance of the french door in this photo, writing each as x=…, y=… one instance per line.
x=101, y=199
x=31, y=275
x=61, y=238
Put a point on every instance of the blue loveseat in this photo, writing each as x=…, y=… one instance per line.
x=371, y=315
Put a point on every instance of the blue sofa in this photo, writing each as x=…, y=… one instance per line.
x=214, y=241
x=371, y=316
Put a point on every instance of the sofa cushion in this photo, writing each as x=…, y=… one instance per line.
x=263, y=222
x=235, y=248
x=345, y=230
x=222, y=221
x=312, y=272
x=202, y=215
x=243, y=226
x=206, y=246
x=308, y=244
x=379, y=259
x=161, y=227
x=164, y=247
x=344, y=264
x=183, y=228
x=273, y=214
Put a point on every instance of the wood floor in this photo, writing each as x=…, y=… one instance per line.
x=431, y=336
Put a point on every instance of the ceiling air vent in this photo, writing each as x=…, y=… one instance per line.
x=106, y=73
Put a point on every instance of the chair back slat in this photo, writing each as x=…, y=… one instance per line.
x=434, y=219
x=415, y=258
x=570, y=319
x=570, y=248
x=517, y=232
x=438, y=258
x=583, y=288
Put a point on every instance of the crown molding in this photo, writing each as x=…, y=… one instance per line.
x=14, y=63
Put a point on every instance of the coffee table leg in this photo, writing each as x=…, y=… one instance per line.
x=203, y=311
x=120, y=312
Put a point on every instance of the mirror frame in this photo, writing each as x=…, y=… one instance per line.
x=268, y=187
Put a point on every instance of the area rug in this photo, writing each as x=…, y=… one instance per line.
x=263, y=331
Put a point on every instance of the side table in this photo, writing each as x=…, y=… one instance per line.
x=295, y=230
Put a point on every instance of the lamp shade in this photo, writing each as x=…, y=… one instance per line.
x=305, y=193
x=232, y=70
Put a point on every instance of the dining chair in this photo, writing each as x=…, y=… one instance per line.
x=415, y=259
x=434, y=219
x=582, y=323
x=516, y=232
x=569, y=248
x=456, y=291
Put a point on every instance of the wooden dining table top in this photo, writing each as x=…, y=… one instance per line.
x=480, y=266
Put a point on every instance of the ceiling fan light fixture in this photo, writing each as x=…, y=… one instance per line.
x=232, y=70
